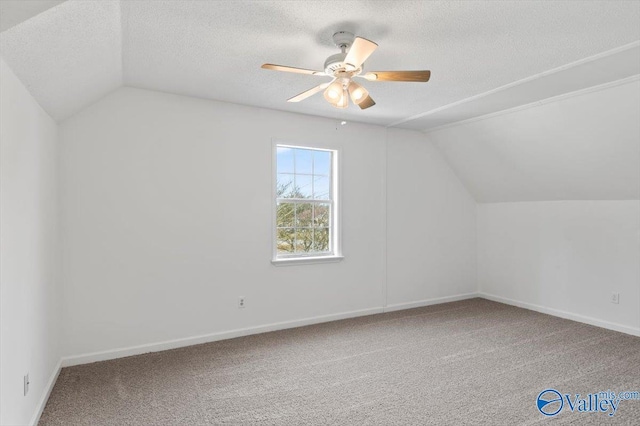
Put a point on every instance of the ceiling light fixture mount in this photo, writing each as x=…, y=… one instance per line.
x=343, y=67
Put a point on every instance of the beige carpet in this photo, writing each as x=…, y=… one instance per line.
x=462, y=363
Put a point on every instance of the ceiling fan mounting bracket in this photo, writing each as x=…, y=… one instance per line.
x=343, y=39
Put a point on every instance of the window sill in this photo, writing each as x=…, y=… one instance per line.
x=306, y=260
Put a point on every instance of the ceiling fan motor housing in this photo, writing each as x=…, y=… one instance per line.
x=334, y=63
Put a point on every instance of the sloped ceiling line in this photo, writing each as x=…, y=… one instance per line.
x=618, y=63
x=579, y=92
x=14, y=12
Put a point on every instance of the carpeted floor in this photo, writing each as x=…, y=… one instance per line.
x=462, y=363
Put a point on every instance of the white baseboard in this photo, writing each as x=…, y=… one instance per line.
x=45, y=395
x=564, y=314
x=213, y=337
x=207, y=338
x=428, y=302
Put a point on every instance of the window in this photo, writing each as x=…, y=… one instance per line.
x=305, y=204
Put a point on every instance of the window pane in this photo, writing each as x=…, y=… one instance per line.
x=321, y=187
x=321, y=163
x=284, y=160
x=321, y=239
x=304, y=227
x=304, y=215
x=285, y=240
x=284, y=186
x=304, y=161
x=304, y=240
x=285, y=215
x=303, y=186
x=321, y=215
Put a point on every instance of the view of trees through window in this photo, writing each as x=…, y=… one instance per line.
x=303, y=216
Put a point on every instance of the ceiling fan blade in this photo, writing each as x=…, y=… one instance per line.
x=367, y=102
x=359, y=51
x=304, y=95
x=291, y=69
x=417, y=76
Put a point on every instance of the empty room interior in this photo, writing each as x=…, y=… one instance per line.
x=319, y=212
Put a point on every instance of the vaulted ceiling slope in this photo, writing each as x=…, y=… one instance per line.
x=583, y=146
x=13, y=12
x=75, y=52
x=68, y=56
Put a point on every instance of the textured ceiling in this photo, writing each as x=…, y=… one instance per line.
x=68, y=56
x=581, y=147
x=74, y=53
x=13, y=12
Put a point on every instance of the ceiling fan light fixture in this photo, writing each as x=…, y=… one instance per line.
x=343, y=102
x=333, y=92
x=335, y=95
x=357, y=92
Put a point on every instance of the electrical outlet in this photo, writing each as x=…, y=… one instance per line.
x=615, y=298
x=241, y=302
x=26, y=384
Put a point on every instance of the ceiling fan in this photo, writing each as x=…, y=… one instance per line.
x=343, y=67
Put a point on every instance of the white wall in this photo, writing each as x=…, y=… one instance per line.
x=29, y=290
x=565, y=256
x=535, y=248
x=167, y=220
x=430, y=224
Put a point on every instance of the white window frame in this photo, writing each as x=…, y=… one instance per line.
x=335, y=236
